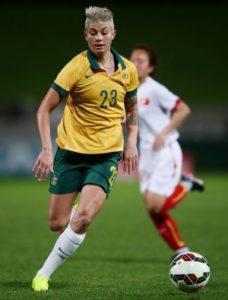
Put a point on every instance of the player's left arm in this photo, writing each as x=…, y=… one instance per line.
x=130, y=157
x=180, y=112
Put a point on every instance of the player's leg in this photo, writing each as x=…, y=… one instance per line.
x=59, y=214
x=174, y=191
x=91, y=200
x=192, y=183
x=96, y=186
x=161, y=173
x=158, y=188
x=164, y=223
x=174, y=199
x=64, y=183
x=187, y=183
x=98, y=182
x=74, y=208
x=59, y=210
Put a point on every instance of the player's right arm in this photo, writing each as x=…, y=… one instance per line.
x=179, y=113
x=44, y=162
x=61, y=87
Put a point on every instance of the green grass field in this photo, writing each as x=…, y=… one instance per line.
x=122, y=256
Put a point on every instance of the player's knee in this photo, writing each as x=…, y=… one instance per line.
x=154, y=209
x=57, y=224
x=157, y=218
x=154, y=203
x=82, y=222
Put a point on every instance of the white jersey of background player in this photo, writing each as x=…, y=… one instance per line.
x=160, y=166
x=162, y=157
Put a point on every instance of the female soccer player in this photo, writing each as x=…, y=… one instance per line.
x=101, y=87
x=160, y=165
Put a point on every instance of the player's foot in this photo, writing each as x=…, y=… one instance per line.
x=197, y=184
x=75, y=205
x=74, y=208
x=178, y=252
x=40, y=283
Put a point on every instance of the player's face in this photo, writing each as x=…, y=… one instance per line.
x=99, y=36
x=141, y=60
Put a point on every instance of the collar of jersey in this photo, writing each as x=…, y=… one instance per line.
x=95, y=65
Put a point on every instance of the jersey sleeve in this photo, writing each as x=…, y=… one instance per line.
x=166, y=98
x=66, y=79
x=134, y=82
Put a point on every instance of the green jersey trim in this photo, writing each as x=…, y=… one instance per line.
x=93, y=60
x=94, y=63
x=59, y=89
x=118, y=58
x=131, y=93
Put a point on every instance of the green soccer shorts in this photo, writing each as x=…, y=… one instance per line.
x=74, y=170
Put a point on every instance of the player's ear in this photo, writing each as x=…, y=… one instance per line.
x=114, y=32
x=151, y=69
x=85, y=34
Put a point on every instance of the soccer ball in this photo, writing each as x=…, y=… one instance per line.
x=189, y=272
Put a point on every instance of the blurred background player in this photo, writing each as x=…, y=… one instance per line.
x=101, y=86
x=160, y=166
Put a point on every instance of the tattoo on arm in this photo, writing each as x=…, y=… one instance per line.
x=130, y=103
x=132, y=118
x=131, y=110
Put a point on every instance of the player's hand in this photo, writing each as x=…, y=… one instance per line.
x=43, y=165
x=130, y=158
x=159, y=141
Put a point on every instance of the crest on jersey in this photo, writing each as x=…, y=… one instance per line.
x=125, y=76
x=54, y=180
x=145, y=101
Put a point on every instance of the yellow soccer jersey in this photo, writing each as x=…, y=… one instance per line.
x=91, y=122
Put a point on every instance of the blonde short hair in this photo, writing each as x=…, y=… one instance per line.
x=102, y=14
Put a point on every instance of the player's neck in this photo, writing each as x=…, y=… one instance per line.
x=107, y=63
x=105, y=59
x=142, y=79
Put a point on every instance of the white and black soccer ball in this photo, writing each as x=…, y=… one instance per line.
x=189, y=272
